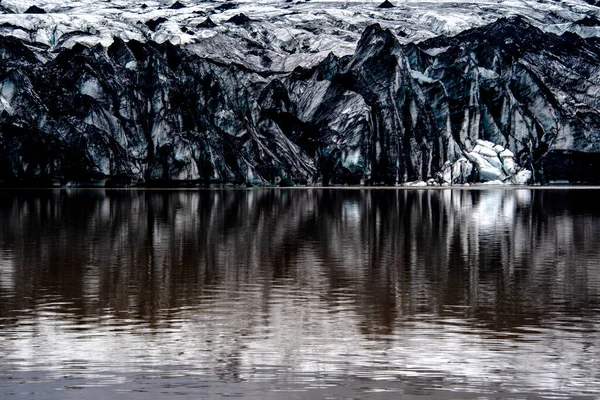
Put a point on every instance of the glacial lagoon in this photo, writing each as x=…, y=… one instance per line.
x=300, y=294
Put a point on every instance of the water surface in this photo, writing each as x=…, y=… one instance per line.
x=299, y=294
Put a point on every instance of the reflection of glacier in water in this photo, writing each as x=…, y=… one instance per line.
x=479, y=291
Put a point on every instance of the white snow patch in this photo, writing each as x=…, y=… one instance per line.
x=413, y=113
x=416, y=184
x=436, y=51
x=131, y=65
x=207, y=34
x=420, y=77
x=506, y=153
x=351, y=158
x=5, y=105
x=485, y=143
x=487, y=73
x=522, y=177
x=8, y=90
x=92, y=88
x=307, y=28
x=484, y=151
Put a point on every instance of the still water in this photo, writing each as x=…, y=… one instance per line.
x=300, y=294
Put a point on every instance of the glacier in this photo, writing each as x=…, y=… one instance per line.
x=425, y=93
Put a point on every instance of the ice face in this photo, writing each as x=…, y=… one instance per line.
x=311, y=92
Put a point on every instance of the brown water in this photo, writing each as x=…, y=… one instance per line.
x=300, y=294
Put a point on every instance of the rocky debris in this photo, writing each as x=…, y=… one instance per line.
x=207, y=24
x=386, y=4
x=35, y=10
x=177, y=6
x=184, y=29
x=154, y=23
x=239, y=19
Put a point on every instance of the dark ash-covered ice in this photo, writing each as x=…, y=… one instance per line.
x=502, y=103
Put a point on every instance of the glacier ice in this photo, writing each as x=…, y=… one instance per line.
x=328, y=92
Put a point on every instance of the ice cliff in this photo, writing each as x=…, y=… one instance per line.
x=504, y=100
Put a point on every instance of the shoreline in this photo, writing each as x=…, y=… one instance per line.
x=263, y=188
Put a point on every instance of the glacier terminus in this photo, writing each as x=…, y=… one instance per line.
x=437, y=93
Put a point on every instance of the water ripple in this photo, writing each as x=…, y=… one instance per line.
x=301, y=294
